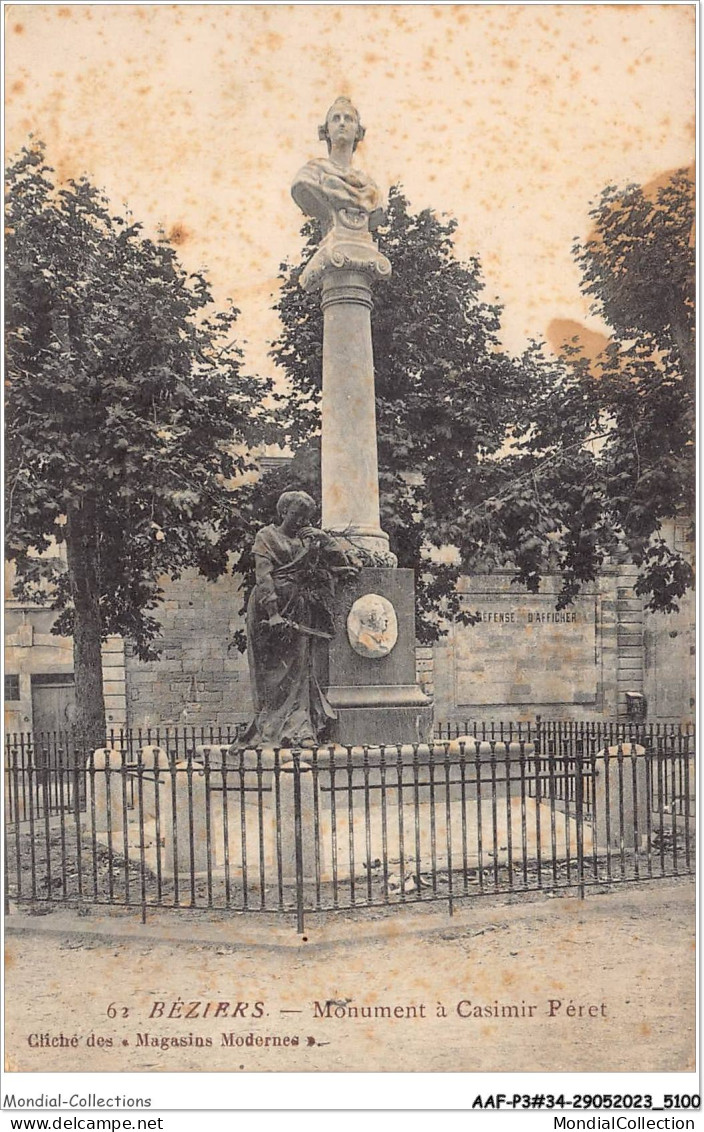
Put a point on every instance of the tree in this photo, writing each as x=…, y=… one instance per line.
x=128, y=415
x=639, y=264
x=446, y=397
x=607, y=448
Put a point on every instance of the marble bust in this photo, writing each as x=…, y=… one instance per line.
x=332, y=189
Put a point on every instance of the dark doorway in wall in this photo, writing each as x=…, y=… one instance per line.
x=53, y=702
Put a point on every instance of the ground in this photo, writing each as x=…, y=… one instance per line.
x=611, y=981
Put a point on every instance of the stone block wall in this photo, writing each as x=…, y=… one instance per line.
x=670, y=647
x=114, y=682
x=201, y=678
x=33, y=652
x=525, y=658
x=425, y=669
x=670, y=670
x=629, y=616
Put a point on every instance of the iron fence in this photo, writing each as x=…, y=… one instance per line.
x=197, y=825
x=568, y=739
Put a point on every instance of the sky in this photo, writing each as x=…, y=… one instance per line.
x=511, y=118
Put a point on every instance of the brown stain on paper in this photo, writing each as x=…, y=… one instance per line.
x=178, y=234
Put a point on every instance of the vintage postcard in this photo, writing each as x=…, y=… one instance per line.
x=350, y=635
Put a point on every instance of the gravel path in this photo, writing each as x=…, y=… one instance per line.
x=625, y=961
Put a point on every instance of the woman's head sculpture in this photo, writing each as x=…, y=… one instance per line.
x=345, y=106
x=289, y=498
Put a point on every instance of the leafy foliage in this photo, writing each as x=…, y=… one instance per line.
x=128, y=414
x=639, y=264
x=609, y=445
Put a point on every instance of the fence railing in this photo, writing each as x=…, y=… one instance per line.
x=567, y=739
x=199, y=825
x=52, y=753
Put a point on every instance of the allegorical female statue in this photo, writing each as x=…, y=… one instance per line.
x=328, y=187
x=289, y=624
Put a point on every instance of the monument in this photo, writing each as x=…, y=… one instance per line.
x=371, y=672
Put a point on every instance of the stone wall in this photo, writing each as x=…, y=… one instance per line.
x=425, y=669
x=499, y=669
x=669, y=659
x=670, y=646
x=114, y=683
x=630, y=645
x=200, y=679
x=33, y=652
x=524, y=657
x=31, y=648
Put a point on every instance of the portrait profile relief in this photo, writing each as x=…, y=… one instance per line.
x=372, y=626
x=351, y=380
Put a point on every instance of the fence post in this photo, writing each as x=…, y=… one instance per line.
x=7, y=872
x=297, y=825
x=78, y=773
x=614, y=796
x=185, y=840
x=579, y=810
x=538, y=737
x=109, y=811
x=296, y=808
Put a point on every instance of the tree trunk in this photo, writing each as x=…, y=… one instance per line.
x=684, y=342
x=81, y=553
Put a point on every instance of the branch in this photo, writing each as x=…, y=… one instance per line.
x=12, y=492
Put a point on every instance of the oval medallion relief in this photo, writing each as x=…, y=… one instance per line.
x=372, y=626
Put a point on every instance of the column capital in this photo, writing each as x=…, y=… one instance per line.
x=353, y=254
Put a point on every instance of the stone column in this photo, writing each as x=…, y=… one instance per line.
x=343, y=268
x=183, y=814
x=349, y=472
x=105, y=768
x=620, y=797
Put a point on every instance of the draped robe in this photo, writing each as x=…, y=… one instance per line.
x=322, y=188
x=288, y=668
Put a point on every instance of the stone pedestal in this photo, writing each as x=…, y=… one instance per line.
x=349, y=471
x=106, y=792
x=185, y=821
x=621, y=797
x=376, y=698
